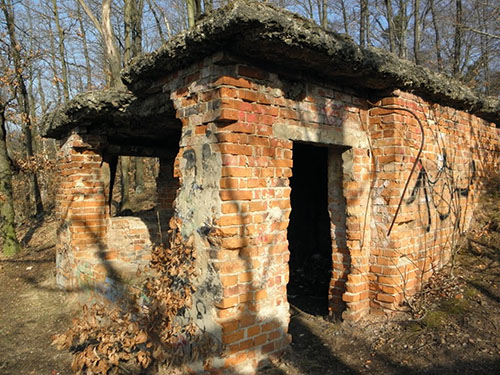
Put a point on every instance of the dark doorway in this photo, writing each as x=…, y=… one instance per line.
x=309, y=230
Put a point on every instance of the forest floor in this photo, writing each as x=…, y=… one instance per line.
x=456, y=329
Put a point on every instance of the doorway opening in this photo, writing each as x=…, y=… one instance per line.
x=309, y=235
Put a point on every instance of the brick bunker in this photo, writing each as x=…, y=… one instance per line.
x=290, y=157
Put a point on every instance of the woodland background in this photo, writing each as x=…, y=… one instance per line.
x=51, y=50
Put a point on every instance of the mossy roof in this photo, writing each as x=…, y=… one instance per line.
x=270, y=36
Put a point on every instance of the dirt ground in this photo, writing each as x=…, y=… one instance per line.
x=458, y=331
x=32, y=309
x=456, y=328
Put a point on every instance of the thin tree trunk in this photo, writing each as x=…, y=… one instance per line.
x=41, y=93
x=133, y=47
x=362, y=22
x=485, y=53
x=403, y=29
x=62, y=54
x=208, y=5
x=324, y=14
x=194, y=11
x=390, y=25
x=344, y=17
x=139, y=174
x=83, y=32
x=367, y=25
x=22, y=99
x=137, y=28
x=55, y=79
x=416, y=31
x=108, y=39
x=157, y=21
x=437, y=40
x=457, y=40
x=7, y=216
x=127, y=28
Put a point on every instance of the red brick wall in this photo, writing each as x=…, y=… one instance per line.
x=233, y=198
x=93, y=247
x=254, y=119
x=459, y=151
x=235, y=110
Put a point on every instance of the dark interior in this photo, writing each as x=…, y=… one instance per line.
x=309, y=230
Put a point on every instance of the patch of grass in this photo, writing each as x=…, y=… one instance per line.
x=454, y=306
x=470, y=292
x=447, y=310
x=434, y=319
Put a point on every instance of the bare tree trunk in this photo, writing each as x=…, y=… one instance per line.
x=403, y=28
x=41, y=93
x=127, y=28
x=83, y=32
x=54, y=64
x=208, y=5
x=22, y=99
x=362, y=22
x=324, y=14
x=416, y=31
x=153, y=5
x=457, y=40
x=62, y=54
x=194, y=11
x=344, y=17
x=437, y=40
x=390, y=25
x=108, y=39
x=157, y=20
x=485, y=55
x=7, y=216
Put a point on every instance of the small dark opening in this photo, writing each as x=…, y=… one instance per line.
x=309, y=230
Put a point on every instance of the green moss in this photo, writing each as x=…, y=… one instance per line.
x=470, y=292
x=434, y=319
x=10, y=245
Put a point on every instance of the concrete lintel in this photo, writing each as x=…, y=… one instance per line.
x=322, y=134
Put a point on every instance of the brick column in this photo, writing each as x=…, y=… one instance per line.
x=356, y=183
x=340, y=253
x=395, y=138
x=227, y=135
x=82, y=211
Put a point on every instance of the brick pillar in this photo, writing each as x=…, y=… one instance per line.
x=82, y=211
x=356, y=184
x=340, y=252
x=395, y=138
x=255, y=196
x=227, y=135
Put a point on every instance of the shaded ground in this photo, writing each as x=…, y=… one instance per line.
x=32, y=309
x=459, y=332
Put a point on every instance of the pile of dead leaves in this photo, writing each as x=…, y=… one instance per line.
x=143, y=330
